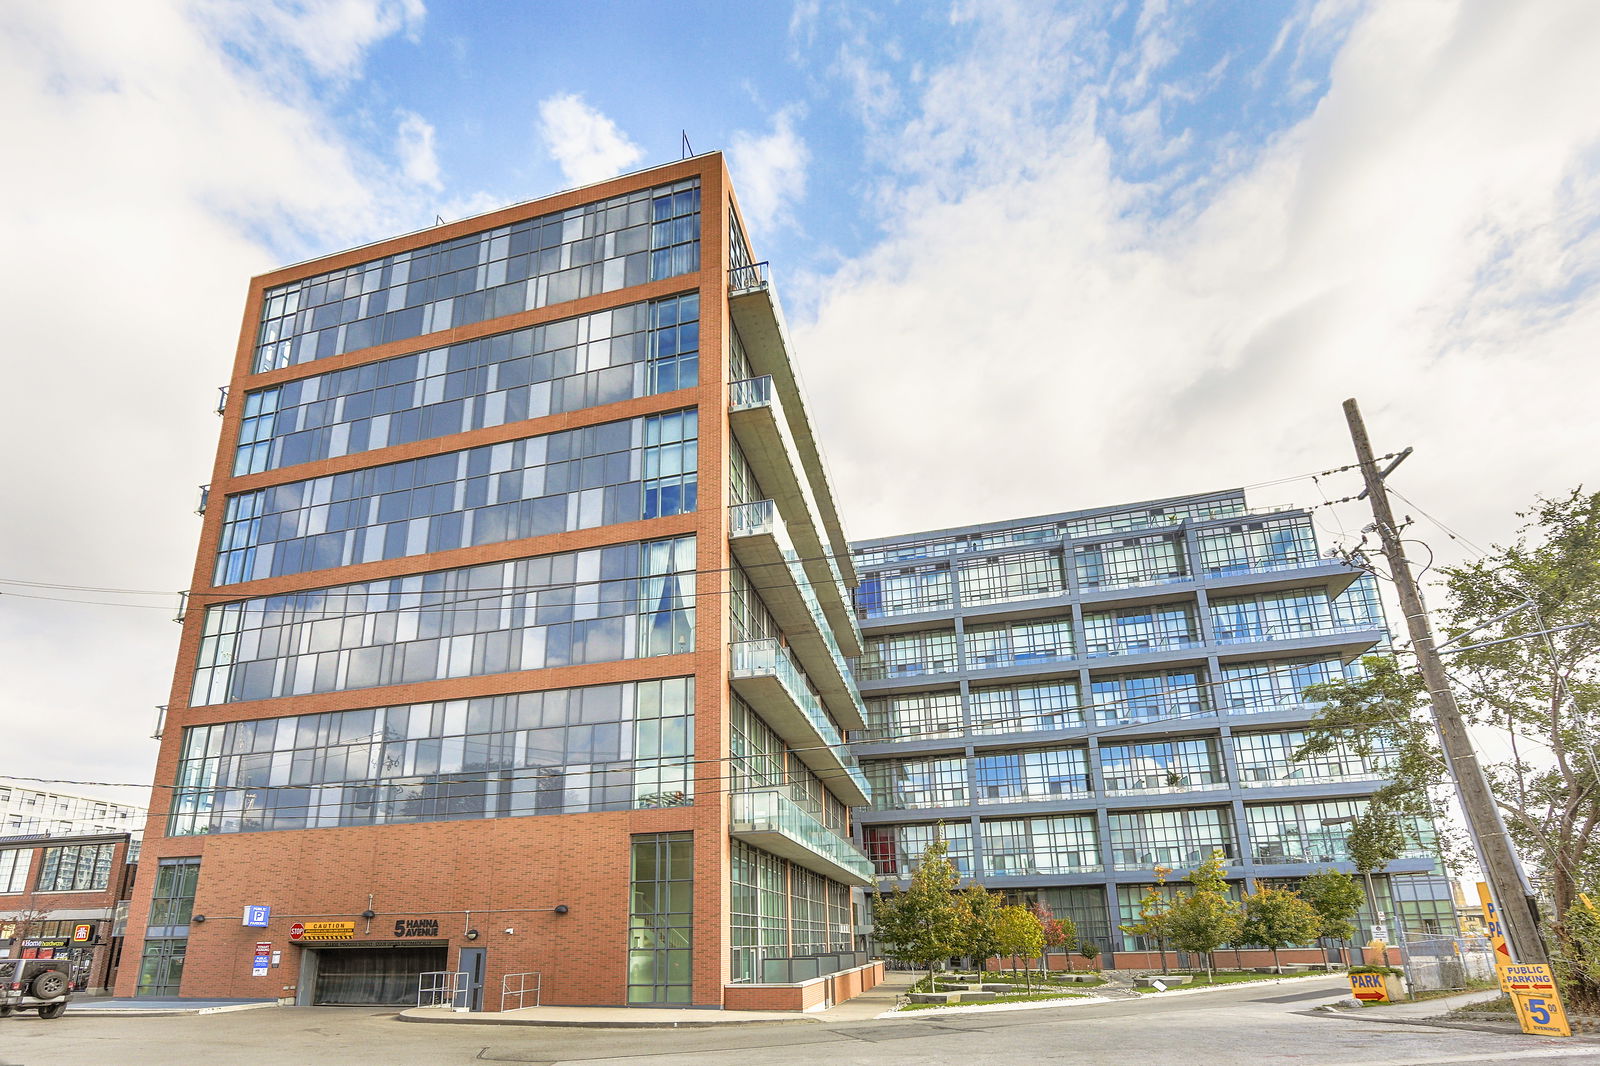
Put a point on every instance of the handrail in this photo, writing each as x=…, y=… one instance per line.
x=522, y=989
x=442, y=988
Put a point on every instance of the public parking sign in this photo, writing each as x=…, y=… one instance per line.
x=1533, y=990
x=257, y=916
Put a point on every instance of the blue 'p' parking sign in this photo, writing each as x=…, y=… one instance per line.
x=257, y=916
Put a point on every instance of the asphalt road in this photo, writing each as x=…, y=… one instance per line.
x=1247, y=1025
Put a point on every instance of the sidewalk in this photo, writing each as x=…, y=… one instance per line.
x=863, y=1007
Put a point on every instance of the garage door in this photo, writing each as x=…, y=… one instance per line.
x=374, y=976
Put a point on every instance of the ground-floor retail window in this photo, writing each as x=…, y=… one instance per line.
x=161, y=966
x=660, y=919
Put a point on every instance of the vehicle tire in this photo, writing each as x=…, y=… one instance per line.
x=49, y=985
x=5, y=1011
x=52, y=1010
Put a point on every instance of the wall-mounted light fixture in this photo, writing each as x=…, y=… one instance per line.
x=197, y=918
x=471, y=934
x=369, y=914
x=560, y=908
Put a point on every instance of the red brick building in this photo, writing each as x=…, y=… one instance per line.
x=516, y=639
x=62, y=897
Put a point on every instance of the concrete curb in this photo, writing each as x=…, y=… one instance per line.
x=1089, y=997
x=490, y=1019
x=1506, y=1029
x=160, y=1012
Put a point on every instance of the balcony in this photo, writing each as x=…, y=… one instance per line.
x=768, y=819
x=759, y=422
x=760, y=542
x=1348, y=641
x=765, y=676
x=759, y=318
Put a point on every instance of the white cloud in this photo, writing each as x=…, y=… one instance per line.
x=414, y=142
x=1035, y=333
x=586, y=143
x=148, y=168
x=769, y=171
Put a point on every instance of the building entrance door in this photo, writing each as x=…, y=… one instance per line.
x=374, y=976
x=472, y=964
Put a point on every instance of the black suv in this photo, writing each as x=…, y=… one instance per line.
x=43, y=985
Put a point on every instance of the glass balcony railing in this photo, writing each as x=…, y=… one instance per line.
x=768, y=658
x=748, y=393
x=1266, y=633
x=762, y=518
x=771, y=810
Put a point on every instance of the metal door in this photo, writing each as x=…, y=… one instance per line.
x=472, y=964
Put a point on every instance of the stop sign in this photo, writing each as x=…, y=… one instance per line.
x=297, y=930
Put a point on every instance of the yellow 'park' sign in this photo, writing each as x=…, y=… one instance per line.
x=1369, y=987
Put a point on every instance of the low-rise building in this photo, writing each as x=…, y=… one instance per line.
x=66, y=897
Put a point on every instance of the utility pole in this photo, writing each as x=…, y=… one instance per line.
x=1477, y=802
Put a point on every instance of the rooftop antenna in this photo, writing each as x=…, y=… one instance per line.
x=687, y=150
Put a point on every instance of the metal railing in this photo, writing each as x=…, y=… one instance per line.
x=772, y=809
x=1140, y=647
x=205, y=498
x=516, y=984
x=1265, y=634
x=443, y=988
x=751, y=278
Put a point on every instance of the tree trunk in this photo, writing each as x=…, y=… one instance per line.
x=1277, y=967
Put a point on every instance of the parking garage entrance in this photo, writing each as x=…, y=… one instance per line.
x=370, y=974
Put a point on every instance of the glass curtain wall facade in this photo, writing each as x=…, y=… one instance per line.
x=468, y=558
x=1073, y=701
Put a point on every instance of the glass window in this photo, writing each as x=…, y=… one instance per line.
x=76, y=868
x=908, y=654
x=578, y=479
x=899, y=784
x=14, y=866
x=1018, y=643
x=1149, y=560
x=1268, y=759
x=560, y=751
x=1274, y=544
x=1162, y=766
x=1012, y=577
x=1131, y=630
x=896, y=850
x=1024, y=708
x=641, y=236
x=906, y=592
x=623, y=601
x=1037, y=774
x=916, y=714
x=1060, y=844
x=661, y=919
x=1148, y=697
x=1178, y=840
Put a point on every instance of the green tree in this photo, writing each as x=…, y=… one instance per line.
x=922, y=924
x=1525, y=659
x=1337, y=898
x=1089, y=950
x=1276, y=918
x=979, y=940
x=1018, y=933
x=1204, y=918
x=1383, y=717
x=1154, y=907
x=1061, y=933
x=1545, y=687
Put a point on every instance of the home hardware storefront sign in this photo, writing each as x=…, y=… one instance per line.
x=314, y=931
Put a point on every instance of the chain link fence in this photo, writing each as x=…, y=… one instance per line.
x=1435, y=962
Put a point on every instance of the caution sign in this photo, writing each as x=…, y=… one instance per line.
x=1369, y=987
x=305, y=932
x=1533, y=990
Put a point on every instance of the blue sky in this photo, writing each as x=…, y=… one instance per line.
x=1035, y=255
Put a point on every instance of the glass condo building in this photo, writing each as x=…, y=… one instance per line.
x=1071, y=701
x=519, y=631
